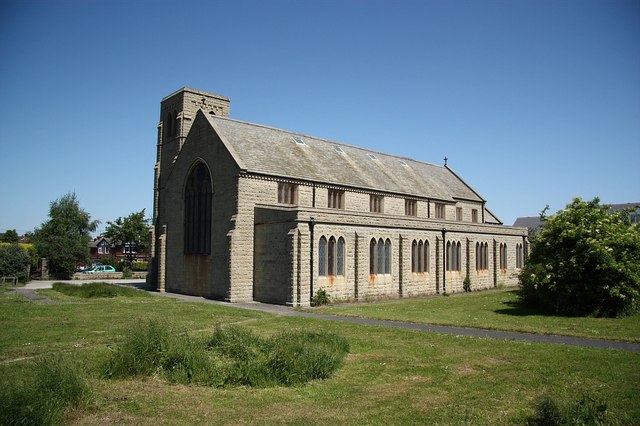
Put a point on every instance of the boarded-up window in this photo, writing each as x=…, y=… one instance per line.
x=197, y=211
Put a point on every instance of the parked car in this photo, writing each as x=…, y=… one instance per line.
x=101, y=269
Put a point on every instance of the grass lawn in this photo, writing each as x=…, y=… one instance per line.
x=390, y=376
x=495, y=309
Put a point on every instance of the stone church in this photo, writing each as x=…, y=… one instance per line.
x=246, y=212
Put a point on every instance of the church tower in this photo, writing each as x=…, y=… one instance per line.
x=177, y=112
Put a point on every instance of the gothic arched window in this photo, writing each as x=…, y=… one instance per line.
x=197, y=211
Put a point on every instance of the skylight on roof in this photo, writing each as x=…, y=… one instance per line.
x=403, y=163
x=298, y=140
x=338, y=149
x=373, y=157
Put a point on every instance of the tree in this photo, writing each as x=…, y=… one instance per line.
x=131, y=231
x=584, y=261
x=10, y=236
x=14, y=262
x=64, y=238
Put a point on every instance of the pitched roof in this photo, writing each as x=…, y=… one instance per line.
x=269, y=151
x=534, y=222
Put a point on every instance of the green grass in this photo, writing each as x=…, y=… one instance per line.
x=390, y=376
x=498, y=310
x=232, y=356
x=99, y=289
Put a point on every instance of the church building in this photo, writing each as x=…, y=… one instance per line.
x=246, y=212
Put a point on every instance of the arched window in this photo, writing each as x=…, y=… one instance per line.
x=414, y=256
x=387, y=256
x=197, y=211
x=340, y=257
x=419, y=256
x=426, y=262
x=380, y=265
x=330, y=256
x=453, y=256
x=519, y=256
x=482, y=253
x=373, y=254
x=379, y=256
x=168, y=123
x=322, y=256
x=503, y=256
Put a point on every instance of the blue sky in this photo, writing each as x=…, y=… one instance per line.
x=533, y=102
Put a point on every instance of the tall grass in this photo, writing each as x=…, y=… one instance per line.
x=42, y=395
x=98, y=289
x=231, y=356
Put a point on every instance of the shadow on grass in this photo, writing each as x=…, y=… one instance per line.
x=517, y=309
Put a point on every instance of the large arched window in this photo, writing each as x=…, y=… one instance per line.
x=503, y=256
x=330, y=256
x=322, y=256
x=380, y=256
x=420, y=256
x=453, y=256
x=482, y=254
x=197, y=211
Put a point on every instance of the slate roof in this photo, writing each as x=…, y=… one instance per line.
x=529, y=222
x=274, y=152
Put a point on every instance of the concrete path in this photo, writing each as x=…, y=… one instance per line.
x=285, y=310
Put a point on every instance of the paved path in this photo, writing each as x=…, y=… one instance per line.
x=460, y=331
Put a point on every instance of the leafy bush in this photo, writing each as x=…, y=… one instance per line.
x=321, y=298
x=140, y=266
x=15, y=262
x=93, y=290
x=466, y=284
x=586, y=411
x=42, y=397
x=230, y=357
x=586, y=260
x=112, y=261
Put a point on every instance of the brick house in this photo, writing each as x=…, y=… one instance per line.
x=247, y=212
x=102, y=247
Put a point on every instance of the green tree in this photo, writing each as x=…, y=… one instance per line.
x=14, y=262
x=132, y=230
x=10, y=236
x=64, y=238
x=584, y=261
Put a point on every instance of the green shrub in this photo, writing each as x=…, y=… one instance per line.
x=587, y=412
x=126, y=272
x=466, y=284
x=585, y=261
x=321, y=298
x=112, y=261
x=140, y=266
x=95, y=290
x=230, y=357
x=41, y=396
x=15, y=262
